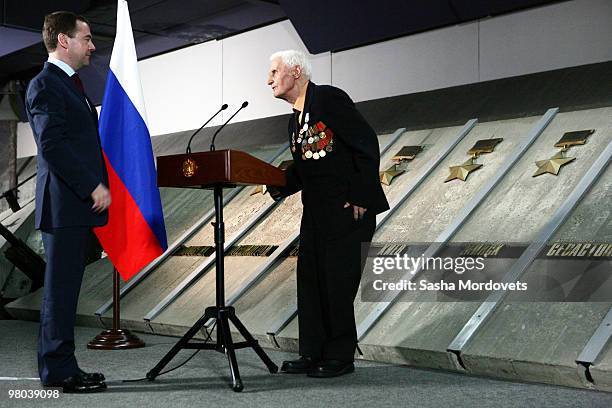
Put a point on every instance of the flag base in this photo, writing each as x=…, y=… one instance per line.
x=115, y=339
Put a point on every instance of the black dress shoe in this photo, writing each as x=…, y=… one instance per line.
x=299, y=366
x=92, y=377
x=331, y=368
x=78, y=384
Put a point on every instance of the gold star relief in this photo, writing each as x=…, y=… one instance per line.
x=389, y=174
x=552, y=165
x=463, y=171
x=260, y=189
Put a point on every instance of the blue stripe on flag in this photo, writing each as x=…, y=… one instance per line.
x=127, y=145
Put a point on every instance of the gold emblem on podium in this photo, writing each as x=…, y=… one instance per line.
x=554, y=164
x=263, y=189
x=400, y=162
x=189, y=168
x=462, y=171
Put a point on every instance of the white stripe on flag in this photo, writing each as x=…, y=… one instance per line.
x=123, y=61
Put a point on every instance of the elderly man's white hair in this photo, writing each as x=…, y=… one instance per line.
x=291, y=58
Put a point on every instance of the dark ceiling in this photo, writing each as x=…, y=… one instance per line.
x=163, y=25
x=342, y=24
x=158, y=25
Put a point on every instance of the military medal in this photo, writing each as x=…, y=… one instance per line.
x=316, y=140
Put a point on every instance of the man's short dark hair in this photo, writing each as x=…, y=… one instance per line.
x=60, y=22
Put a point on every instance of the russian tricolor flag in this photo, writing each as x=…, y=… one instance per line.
x=135, y=233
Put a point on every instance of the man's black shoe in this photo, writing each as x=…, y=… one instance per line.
x=331, y=368
x=78, y=384
x=92, y=377
x=299, y=366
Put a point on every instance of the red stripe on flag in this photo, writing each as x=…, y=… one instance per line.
x=127, y=238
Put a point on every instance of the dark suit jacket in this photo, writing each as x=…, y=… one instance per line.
x=349, y=173
x=70, y=161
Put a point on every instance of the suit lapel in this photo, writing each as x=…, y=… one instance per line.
x=92, y=109
x=69, y=84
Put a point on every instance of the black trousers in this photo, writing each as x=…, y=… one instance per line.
x=66, y=250
x=328, y=274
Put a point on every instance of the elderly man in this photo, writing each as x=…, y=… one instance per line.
x=335, y=165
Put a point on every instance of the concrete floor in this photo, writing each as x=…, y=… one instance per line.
x=204, y=381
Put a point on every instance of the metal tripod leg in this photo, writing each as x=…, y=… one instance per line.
x=180, y=345
x=273, y=368
x=228, y=345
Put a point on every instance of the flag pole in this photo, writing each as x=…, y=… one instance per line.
x=139, y=223
x=115, y=338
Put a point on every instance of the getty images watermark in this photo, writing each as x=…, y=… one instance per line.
x=472, y=271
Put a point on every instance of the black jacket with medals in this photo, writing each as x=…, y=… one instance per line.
x=336, y=159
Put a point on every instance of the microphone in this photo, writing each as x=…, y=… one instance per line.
x=223, y=107
x=212, y=143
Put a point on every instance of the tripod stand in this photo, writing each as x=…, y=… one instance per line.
x=222, y=314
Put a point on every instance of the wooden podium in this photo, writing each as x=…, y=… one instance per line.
x=217, y=170
x=220, y=168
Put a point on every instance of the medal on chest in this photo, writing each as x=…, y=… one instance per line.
x=315, y=141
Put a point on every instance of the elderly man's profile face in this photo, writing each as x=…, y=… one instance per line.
x=281, y=78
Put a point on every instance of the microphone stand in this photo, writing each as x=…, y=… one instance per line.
x=188, y=150
x=212, y=143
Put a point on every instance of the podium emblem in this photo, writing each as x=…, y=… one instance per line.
x=189, y=168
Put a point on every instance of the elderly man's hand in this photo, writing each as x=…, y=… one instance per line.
x=358, y=212
x=274, y=193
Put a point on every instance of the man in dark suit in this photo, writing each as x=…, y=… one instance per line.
x=71, y=193
x=335, y=166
